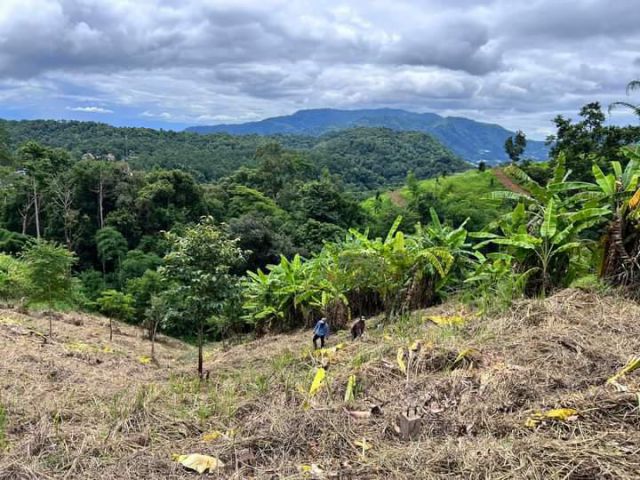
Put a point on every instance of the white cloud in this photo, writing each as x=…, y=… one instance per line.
x=90, y=109
x=514, y=62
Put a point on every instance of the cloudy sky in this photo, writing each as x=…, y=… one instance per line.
x=171, y=63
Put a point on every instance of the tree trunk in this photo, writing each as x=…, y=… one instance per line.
x=100, y=200
x=153, y=344
x=50, y=326
x=37, y=208
x=110, y=329
x=200, y=345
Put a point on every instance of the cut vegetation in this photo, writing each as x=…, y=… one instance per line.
x=524, y=395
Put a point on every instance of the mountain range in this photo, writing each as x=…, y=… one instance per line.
x=473, y=141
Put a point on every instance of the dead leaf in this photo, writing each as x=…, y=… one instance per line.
x=199, y=463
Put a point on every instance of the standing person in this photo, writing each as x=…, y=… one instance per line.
x=357, y=328
x=320, y=331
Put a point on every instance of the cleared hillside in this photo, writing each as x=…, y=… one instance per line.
x=81, y=407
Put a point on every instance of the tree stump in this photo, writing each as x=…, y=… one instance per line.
x=409, y=425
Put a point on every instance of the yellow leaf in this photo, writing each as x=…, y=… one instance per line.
x=199, y=463
x=635, y=200
x=311, y=471
x=107, y=349
x=452, y=321
x=144, y=359
x=466, y=353
x=217, y=434
x=561, y=414
x=212, y=436
x=349, y=393
x=318, y=381
x=400, y=359
x=557, y=414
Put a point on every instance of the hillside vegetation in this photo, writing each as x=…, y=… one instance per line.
x=366, y=158
x=471, y=140
x=489, y=390
x=456, y=198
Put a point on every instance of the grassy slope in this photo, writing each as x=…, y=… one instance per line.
x=464, y=195
x=76, y=409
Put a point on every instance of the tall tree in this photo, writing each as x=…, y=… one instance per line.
x=111, y=246
x=589, y=140
x=5, y=151
x=515, y=146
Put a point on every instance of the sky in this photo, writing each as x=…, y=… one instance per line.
x=173, y=63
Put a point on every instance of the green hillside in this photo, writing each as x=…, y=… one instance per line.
x=367, y=158
x=456, y=198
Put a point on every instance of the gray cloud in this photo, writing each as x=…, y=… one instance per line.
x=515, y=62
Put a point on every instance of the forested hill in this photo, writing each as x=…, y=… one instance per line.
x=366, y=158
x=473, y=141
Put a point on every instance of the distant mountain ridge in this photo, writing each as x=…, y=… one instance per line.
x=473, y=141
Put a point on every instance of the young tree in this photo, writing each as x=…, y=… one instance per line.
x=117, y=305
x=154, y=316
x=48, y=273
x=200, y=264
x=515, y=146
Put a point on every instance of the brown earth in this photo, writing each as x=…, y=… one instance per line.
x=81, y=407
x=508, y=183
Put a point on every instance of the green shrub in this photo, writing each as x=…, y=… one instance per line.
x=12, y=278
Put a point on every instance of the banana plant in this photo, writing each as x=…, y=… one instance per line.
x=548, y=246
x=621, y=241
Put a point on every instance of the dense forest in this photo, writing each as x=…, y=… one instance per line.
x=366, y=158
x=279, y=240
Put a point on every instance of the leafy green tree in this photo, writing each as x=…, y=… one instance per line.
x=38, y=164
x=117, y=305
x=48, y=273
x=515, y=146
x=200, y=263
x=136, y=263
x=589, y=139
x=143, y=289
x=5, y=150
x=154, y=316
x=111, y=246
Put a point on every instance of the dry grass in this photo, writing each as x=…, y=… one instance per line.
x=75, y=409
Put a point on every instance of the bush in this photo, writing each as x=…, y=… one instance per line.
x=12, y=278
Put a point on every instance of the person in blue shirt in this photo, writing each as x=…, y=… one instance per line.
x=320, y=331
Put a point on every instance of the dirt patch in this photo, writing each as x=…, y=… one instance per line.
x=397, y=199
x=508, y=182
